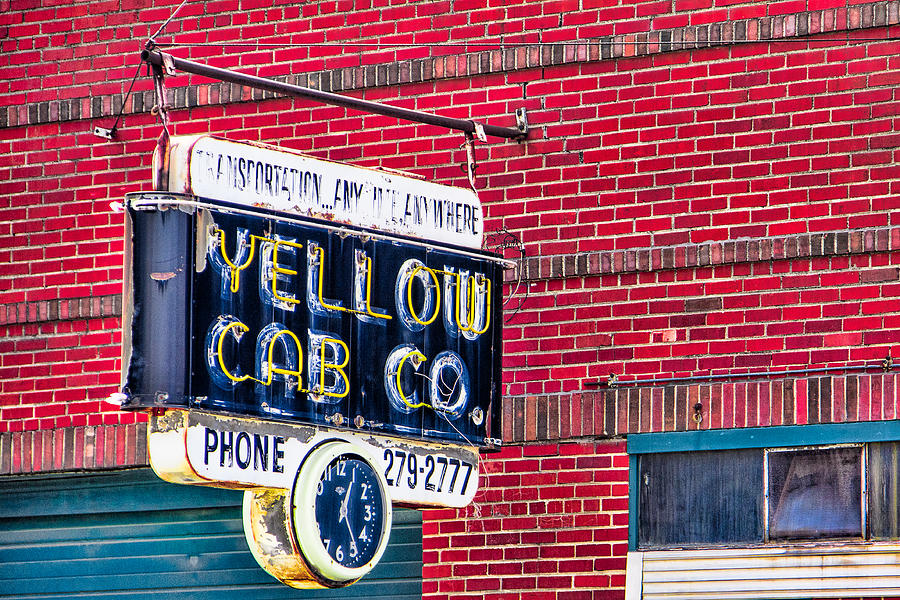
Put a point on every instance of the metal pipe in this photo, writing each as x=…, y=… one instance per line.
x=885, y=365
x=154, y=57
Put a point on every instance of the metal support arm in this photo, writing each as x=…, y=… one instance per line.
x=157, y=58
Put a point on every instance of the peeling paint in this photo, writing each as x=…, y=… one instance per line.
x=268, y=532
x=205, y=224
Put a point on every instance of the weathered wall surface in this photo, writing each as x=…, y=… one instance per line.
x=709, y=187
x=552, y=518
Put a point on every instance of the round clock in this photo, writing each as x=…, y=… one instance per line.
x=341, y=515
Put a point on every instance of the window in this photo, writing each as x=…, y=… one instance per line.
x=815, y=493
x=700, y=498
x=690, y=494
x=884, y=490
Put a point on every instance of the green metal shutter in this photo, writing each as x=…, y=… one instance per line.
x=127, y=534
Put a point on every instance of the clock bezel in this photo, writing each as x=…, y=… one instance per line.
x=303, y=514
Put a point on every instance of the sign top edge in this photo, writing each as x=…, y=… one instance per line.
x=288, y=180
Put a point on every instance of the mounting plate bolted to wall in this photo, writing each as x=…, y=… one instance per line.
x=522, y=121
x=105, y=133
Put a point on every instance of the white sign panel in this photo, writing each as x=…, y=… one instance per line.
x=198, y=447
x=284, y=180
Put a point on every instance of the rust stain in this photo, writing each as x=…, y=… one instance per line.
x=171, y=420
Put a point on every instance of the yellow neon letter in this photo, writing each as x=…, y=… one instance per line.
x=368, y=307
x=437, y=290
x=320, y=251
x=235, y=269
x=417, y=359
x=242, y=329
x=273, y=369
x=276, y=270
x=338, y=368
x=470, y=303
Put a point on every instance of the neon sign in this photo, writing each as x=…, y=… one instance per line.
x=267, y=315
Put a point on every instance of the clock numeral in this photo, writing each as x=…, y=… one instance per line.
x=353, y=551
x=320, y=488
x=339, y=553
x=368, y=516
x=365, y=492
x=327, y=543
x=342, y=468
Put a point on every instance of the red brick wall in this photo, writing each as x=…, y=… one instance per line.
x=709, y=187
x=551, y=521
x=664, y=167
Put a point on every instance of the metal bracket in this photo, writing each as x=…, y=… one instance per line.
x=159, y=88
x=156, y=58
x=698, y=414
x=471, y=165
x=168, y=64
x=522, y=121
x=105, y=133
x=479, y=132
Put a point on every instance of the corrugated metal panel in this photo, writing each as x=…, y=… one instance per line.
x=860, y=570
x=131, y=535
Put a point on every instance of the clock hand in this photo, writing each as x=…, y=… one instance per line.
x=343, y=511
x=352, y=538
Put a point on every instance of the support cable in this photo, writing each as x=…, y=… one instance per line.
x=487, y=45
x=152, y=41
x=111, y=132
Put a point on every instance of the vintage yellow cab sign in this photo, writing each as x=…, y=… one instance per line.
x=325, y=336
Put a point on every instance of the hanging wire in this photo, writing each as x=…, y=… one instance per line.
x=501, y=45
x=152, y=40
x=508, y=239
x=112, y=130
x=443, y=384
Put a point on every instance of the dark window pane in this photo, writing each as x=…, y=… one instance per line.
x=884, y=481
x=700, y=498
x=815, y=493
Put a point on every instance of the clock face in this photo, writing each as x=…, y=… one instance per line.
x=340, y=513
x=350, y=511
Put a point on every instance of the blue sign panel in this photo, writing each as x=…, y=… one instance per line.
x=254, y=313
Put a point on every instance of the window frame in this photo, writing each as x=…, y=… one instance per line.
x=791, y=437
